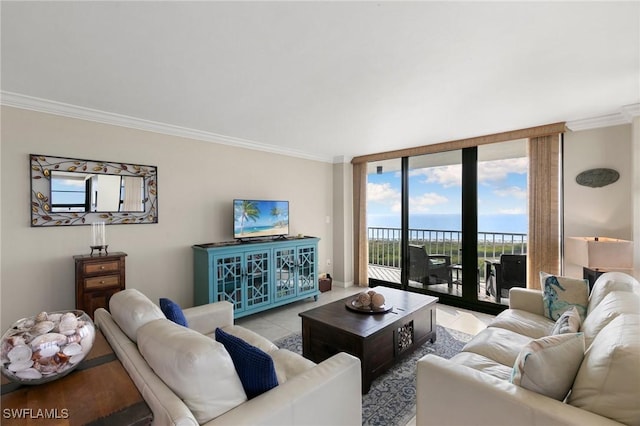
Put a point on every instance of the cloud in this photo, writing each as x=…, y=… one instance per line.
x=497, y=170
x=512, y=192
x=383, y=193
x=488, y=171
x=446, y=176
x=422, y=203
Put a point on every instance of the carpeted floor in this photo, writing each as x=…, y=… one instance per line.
x=391, y=400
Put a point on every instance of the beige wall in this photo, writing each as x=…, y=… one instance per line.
x=606, y=211
x=197, y=182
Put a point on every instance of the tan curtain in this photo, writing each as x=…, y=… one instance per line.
x=132, y=194
x=361, y=246
x=543, y=251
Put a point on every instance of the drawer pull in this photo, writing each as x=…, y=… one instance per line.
x=102, y=267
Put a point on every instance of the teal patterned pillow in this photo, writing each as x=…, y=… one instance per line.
x=562, y=293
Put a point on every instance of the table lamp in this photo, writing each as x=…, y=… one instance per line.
x=597, y=255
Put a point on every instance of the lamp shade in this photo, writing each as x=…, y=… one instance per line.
x=599, y=252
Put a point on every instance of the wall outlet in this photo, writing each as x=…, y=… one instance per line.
x=328, y=262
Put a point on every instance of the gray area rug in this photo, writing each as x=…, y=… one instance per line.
x=391, y=400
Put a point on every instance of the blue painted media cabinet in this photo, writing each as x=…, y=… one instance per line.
x=256, y=275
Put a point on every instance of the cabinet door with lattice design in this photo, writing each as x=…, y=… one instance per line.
x=258, y=271
x=285, y=272
x=306, y=270
x=229, y=274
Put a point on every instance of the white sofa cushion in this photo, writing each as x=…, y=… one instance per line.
x=197, y=368
x=131, y=309
x=289, y=364
x=614, y=304
x=608, y=282
x=549, y=365
x=608, y=381
x=569, y=322
x=561, y=293
x=523, y=322
x=484, y=364
x=498, y=344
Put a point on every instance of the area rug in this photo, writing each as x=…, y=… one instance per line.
x=391, y=401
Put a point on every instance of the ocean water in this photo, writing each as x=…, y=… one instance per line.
x=507, y=223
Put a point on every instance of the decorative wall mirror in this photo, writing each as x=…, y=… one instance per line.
x=70, y=191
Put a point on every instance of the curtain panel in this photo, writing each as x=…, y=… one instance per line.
x=543, y=249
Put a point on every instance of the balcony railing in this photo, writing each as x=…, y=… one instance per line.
x=384, y=244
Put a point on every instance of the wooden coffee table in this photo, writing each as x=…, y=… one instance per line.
x=98, y=392
x=379, y=340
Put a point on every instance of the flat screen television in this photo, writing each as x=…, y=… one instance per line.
x=260, y=218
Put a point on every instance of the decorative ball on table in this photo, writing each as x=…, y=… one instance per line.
x=364, y=299
x=46, y=346
x=377, y=300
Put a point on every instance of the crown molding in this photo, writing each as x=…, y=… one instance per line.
x=17, y=100
x=625, y=115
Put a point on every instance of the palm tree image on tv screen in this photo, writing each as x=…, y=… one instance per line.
x=260, y=218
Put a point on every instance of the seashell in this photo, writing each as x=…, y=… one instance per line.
x=76, y=358
x=25, y=324
x=16, y=340
x=72, y=349
x=55, y=317
x=49, y=350
x=42, y=316
x=68, y=323
x=364, y=299
x=377, y=300
x=371, y=293
x=29, y=373
x=62, y=358
x=42, y=327
x=49, y=338
x=20, y=365
x=19, y=353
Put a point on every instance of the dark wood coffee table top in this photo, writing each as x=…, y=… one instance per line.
x=365, y=324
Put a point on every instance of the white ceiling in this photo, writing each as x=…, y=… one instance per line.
x=325, y=79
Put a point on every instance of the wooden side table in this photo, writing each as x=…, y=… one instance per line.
x=98, y=277
x=98, y=392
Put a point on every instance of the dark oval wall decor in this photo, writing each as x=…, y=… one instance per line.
x=596, y=178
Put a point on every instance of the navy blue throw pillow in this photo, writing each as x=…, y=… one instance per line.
x=172, y=311
x=254, y=366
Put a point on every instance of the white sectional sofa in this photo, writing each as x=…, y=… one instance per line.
x=474, y=387
x=187, y=378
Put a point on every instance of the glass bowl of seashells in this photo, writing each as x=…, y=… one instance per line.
x=47, y=346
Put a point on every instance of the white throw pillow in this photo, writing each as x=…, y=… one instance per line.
x=569, y=322
x=549, y=365
x=608, y=382
x=131, y=309
x=561, y=293
x=195, y=367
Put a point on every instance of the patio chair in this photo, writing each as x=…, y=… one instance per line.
x=513, y=271
x=429, y=269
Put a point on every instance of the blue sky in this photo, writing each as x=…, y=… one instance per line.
x=502, y=189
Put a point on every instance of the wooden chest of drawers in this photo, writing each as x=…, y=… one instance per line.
x=98, y=277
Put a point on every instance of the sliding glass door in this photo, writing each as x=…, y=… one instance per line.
x=434, y=188
x=451, y=224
